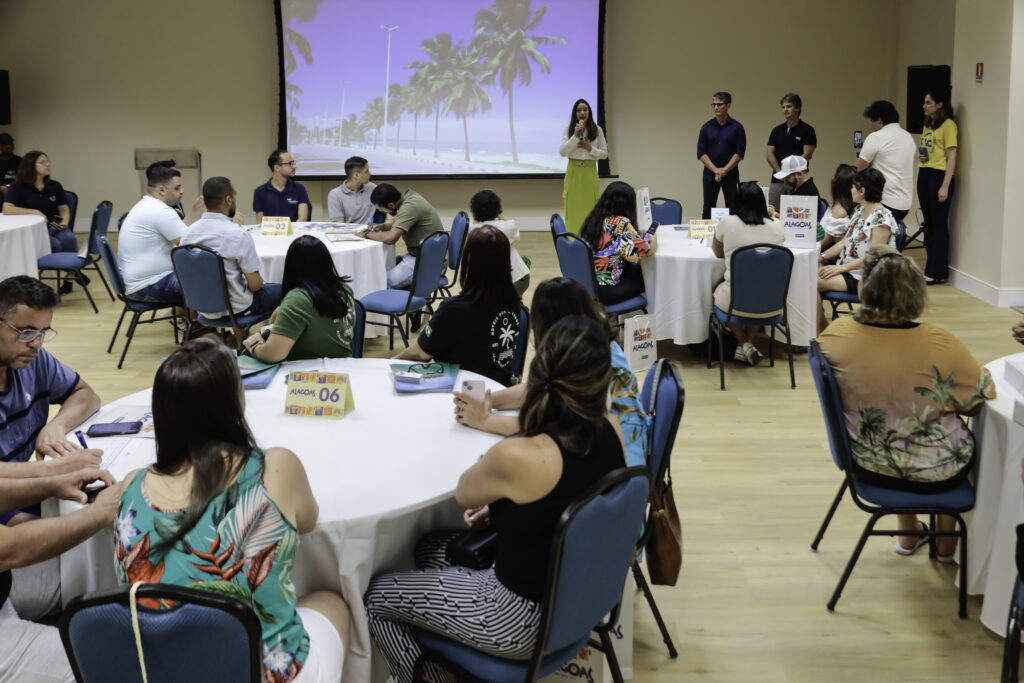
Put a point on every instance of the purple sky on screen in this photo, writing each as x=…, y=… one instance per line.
x=349, y=45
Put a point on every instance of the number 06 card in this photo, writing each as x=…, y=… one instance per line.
x=318, y=394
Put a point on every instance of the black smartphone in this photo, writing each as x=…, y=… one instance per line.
x=115, y=428
x=858, y=139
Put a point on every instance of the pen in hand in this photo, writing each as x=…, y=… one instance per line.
x=81, y=439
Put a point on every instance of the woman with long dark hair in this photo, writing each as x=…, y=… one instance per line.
x=937, y=163
x=836, y=221
x=316, y=318
x=521, y=486
x=583, y=143
x=611, y=232
x=216, y=512
x=555, y=299
x=478, y=328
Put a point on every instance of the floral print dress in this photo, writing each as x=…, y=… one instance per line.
x=858, y=238
x=241, y=547
x=618, y=245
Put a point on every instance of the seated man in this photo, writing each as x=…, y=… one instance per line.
x=350, y=201
x=9, y=162
x=409, y=217
x=281, y=195
x=795, y=178
x=248, y=293
x=149, y=232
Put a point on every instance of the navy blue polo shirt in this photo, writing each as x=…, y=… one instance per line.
x=720, y=142
x=270, y=202
x=46, y=200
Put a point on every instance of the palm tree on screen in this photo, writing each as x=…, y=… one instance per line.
x=502, y=34
x=435, y=73
x=420, y=101
x=465, y=96
x=397, y=95
x=373, y=117
x=294, y=42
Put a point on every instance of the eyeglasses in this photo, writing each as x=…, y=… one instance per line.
x=719, y=104
x=427, y=369
x=30, y=334
x=288, y=163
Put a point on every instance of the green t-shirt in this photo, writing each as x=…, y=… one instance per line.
x=418, y=220
x=315, y=336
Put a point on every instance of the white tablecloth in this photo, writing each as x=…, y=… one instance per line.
x=383, y=475
x=23, y=239
x=992, y=536
x=682, y=275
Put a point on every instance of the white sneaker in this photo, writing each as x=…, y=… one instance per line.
x=752, y=355
x=739, y=355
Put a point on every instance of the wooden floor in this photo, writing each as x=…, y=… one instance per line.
x=753, y=479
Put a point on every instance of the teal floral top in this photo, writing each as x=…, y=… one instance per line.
x=242, y=547
x=626, y=406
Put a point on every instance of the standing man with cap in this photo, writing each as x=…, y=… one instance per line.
x=9, y=162
x=281, y=195
x=792, y=137
x=891, y=150
x=721, y=144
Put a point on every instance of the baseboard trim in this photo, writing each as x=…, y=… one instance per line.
x=985, y=291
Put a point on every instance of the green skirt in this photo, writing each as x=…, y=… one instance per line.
x=580, y=192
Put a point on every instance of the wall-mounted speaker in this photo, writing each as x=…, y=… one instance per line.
x=921, y=79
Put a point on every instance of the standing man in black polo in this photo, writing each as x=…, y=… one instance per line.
x=792, y=137
x=281, y=195
x=720, y=147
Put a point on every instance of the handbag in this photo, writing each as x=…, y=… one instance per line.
x=665, y=546
x=472, y=548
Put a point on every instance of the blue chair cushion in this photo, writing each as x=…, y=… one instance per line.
x=631, y=304
x=490, y=668
x=144, y=306
x=959, y=498
x=225, y=321
x=740, y=320
x=62, y=260
x=842, y=297
x=391, y=301
x=443, y=282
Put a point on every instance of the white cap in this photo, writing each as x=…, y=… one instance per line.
x=791, y=165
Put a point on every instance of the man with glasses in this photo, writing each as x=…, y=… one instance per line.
x=721, y=144
x=281, y=195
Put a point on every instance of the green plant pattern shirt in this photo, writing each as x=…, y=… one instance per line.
x=242, y=547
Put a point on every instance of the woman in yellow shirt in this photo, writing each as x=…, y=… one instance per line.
x=937, y=162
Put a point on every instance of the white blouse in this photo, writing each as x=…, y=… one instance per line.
x=570, y=146
x=508, y=227
x=837, y=227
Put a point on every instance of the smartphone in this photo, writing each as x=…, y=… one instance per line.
x=653, y=229
x=409, y=377
x=474, y=389
x=858, y=139
x=114, y=428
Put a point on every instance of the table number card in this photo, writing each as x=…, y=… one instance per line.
x=702, y=228
x=799, y=220
x=318, y=394
x=276, y=225
x=718, y=213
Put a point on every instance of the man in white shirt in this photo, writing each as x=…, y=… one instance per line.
x=247, y=291
x=891, y=150
x=150, y=230
x=350, y=201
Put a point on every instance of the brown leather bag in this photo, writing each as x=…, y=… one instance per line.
x=665, y=546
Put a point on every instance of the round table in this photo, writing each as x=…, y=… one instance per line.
x=992, y=535
x=682, y=274
x=383, y=475
x=23, y=239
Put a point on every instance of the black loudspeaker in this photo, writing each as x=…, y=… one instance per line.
x=921, y=79
x=5, y=98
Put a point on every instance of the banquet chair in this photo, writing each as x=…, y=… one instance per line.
x=1011, y=647
x=72, y=198
x=760, y=285
x=822, y=208
x=837, y=299
x=576, y=261
x=522, y=341
x=876, y=500
x=204, y=287
x=399, y=303
x=71, y=262
x=590, y=556
x=137, y=308
x=456, y=240
x=663, y=396
x=557, y=227
x=359, y=331
x=206, y=637
x=666, y=211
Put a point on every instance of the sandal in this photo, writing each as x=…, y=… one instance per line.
x=921, y=540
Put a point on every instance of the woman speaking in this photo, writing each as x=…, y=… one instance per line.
x=583, y=142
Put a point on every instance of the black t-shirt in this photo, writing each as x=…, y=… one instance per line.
x=479, y=339
x=808, y=189
x=8, y=169
x=46, y=200
x=790, y=142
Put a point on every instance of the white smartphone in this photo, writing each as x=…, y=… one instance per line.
x=409, y=377
x=474, y=389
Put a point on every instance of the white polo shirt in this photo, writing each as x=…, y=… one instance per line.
x=891, y=150
x=144, y=243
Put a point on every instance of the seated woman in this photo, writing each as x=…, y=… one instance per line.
x=214, y=494
x=905, y=386
x=749, y=224
x=565, y=444
x=870, y=224
x=35, y=193
x=836, y=221
x=485, y=208
x=316, y=318
x=555, y=299
x=478, y=328
x=617, y=246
